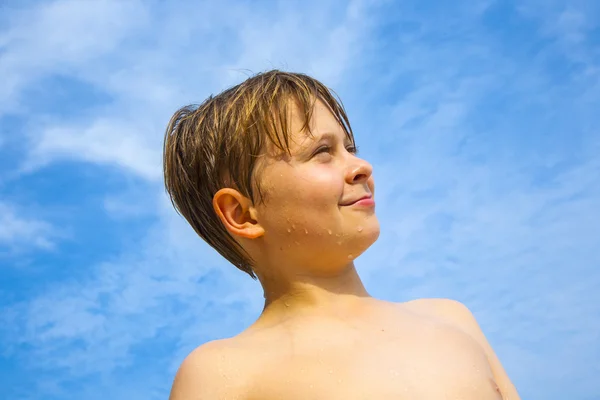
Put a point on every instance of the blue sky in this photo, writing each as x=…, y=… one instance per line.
x=477, y=116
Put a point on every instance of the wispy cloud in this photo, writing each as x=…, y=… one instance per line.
x=17, y=231
x=39, y=41
x=143, y=81
x=107, y=142
x=483, y=136
x=132, y=299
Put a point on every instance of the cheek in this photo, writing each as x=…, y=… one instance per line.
x=316, y=188
x=301, y=199
x=302, y=212
x=322, y=184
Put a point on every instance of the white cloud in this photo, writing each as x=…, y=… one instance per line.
x=461, y=212
x=149, y=81
x=40, y=41
x=108, y=142
x=18, y=231
x=132, y=300
x=571, y=26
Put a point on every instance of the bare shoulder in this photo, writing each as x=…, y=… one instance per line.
x=207, y=373
x=459, y=315
x=450, y=311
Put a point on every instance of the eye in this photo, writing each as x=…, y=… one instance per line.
x=323, y=149
x=352, y=149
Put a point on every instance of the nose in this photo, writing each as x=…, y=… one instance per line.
x=359, y=172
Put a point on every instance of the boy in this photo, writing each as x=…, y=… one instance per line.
x=267, y=173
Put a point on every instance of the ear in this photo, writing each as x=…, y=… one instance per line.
x=237, y=214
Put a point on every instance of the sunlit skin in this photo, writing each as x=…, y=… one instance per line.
x=321, y=335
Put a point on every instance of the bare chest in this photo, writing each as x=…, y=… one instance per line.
x=425, y=364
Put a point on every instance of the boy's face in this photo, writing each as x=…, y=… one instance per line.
x=310, y=215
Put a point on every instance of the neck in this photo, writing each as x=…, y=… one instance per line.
x=312, y=295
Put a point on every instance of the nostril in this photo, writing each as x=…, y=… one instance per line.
x=360, y=177
x=359, y=173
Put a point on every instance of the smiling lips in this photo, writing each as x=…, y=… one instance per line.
x=365, y=201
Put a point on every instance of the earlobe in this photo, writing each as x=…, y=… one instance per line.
x=235, y=212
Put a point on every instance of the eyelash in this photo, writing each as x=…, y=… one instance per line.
x=353, y=149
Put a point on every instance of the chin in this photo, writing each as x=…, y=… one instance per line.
x=365, y=239
x=371, y=229
x=372, y=237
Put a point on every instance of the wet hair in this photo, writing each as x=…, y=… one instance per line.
x=216, y=144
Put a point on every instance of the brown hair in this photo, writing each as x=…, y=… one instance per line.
x=216, y=144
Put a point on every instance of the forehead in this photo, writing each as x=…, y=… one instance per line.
x=293, y=131
x=297, y=126
x=322, y=123
x=322, y=118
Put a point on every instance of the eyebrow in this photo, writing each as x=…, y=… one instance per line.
x=327, y=136
x=332, y=136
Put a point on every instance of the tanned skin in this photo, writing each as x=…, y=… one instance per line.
x=321, y=335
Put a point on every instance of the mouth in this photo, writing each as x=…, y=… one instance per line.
x=366, y=200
